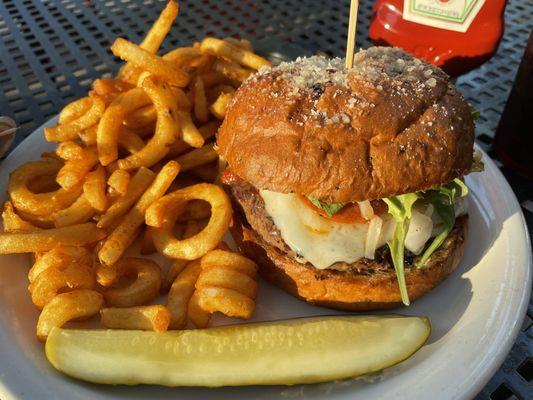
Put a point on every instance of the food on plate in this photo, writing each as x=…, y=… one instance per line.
x=60, y=258
x=118, y=182
x=146, y=318
x=139, y=183
x=39, y=204
x=125, y=233
x=268, y=353
x=166, y=129
x=348, y=183
x=230, y=51
x=58, y=278
x=62, y=283
x=226, y=284
x=46, y=239
x=192, y=227
x=180, y=293
x=12, y=222
x=76, y=305
x=162, y=215
x=143, y=280
x=68, y=130
x=94, y=188
x=196, y=314
x=136, y=161
x=147, y=61
x=143, y=138
x=78, y=212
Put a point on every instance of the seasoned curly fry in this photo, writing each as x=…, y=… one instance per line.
x=232, y=70
x=40, y=221
x=119, y=181
x=146, y=318
x=124, y=234
x=65, y=307
x=110, y=88
x=13, y=222
x=200, y=101
x=139, y=183
x=197, y=315
x=55, y=279
x=78, y=212
x=145, y=286
x=129, y=140
x=120, y=150
x=47, y=239
x=184, y=56
x=166, y=128
x=207, y=131
x=94, y=189
x=226, y=284
x=243, y=43
x=39, y=203
x=153, y=39
x=74, y=110
x=161, y=216
x=160, y=28
x=70, y=150
x=108, y=131
x=70, y=130
x=219, y=107
x=229, y=51
x=147, y=61
x=191, y=229
x=61, y=257
x=74, y=171
x=197, y=157
x=180, y=293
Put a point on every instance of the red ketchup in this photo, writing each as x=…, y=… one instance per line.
x=456, y=35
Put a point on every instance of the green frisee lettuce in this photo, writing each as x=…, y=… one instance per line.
x=400, y=208
x=330, y=208
x=474, y=112
x=443, y=199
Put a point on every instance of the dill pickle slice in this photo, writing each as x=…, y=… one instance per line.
x=302, y=350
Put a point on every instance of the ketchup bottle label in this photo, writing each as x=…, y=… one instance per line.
x=453, y=15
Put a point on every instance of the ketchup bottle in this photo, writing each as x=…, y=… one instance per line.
x=456, y=35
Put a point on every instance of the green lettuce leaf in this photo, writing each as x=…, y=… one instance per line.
x=400, y=209
x=475, y=113
x=443, y=199
x=330, y=208
x=447, y=213
x=477, y=163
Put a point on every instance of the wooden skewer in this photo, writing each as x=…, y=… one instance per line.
x=352, y=25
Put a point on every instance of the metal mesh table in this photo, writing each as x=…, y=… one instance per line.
x=51, y=51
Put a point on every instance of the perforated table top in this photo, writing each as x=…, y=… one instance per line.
x=51, y=51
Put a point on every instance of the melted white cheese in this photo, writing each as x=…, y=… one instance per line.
x=323, y=242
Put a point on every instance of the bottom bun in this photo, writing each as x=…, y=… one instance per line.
x=349, y=290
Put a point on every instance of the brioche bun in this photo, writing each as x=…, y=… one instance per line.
x=393, y=124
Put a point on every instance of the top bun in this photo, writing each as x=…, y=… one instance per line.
x=392, y=124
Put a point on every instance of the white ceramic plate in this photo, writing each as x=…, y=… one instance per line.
x=476, y=315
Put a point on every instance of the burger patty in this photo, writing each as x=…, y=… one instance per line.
x=250, y=205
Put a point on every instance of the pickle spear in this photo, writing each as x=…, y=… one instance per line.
x=302, y=350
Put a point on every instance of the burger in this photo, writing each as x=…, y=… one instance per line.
x=348, y=182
